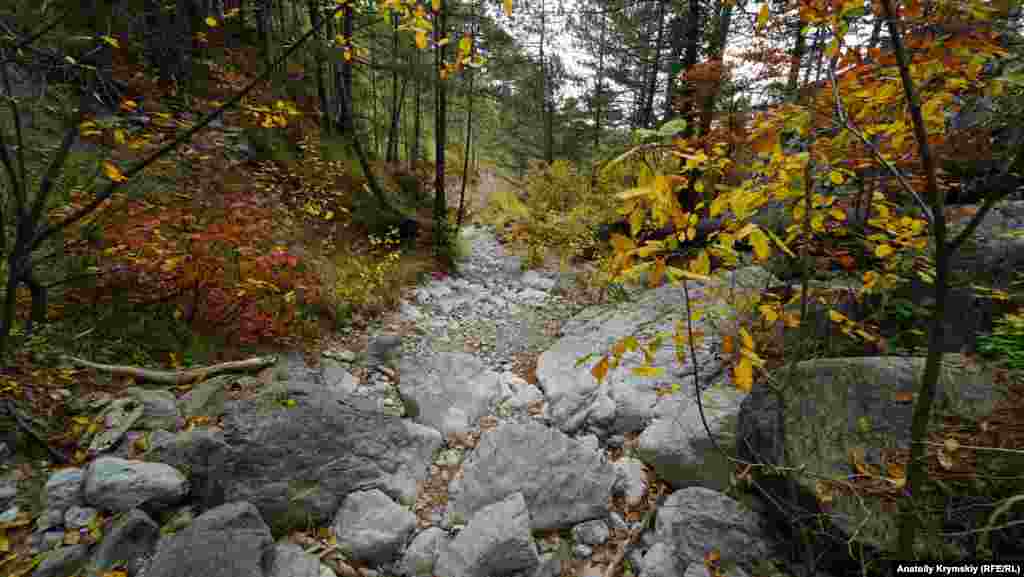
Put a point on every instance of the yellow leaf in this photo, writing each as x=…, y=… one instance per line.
x=421, y=39
x=636, y=222
x=857, y=456
x=743, y=375
x=759, y=241
x=836, y=177
x=745, y=231
x=762, y=16
x=658, y=274
x=465, y=44
x=112, y=41
x=823, y=492
x=678, y=273
x=946, y=460
x=211, y=22
x=818, y=222
x=727, y=346
x=748, y=341
x=883, y=250
x=5, y=544
x=619, y=348
x=508, y=8
x=648, y=371
x=702, y=264
x=631, y=343
x=769, y=313
x=444, y=41
x=870, y=278
x=435, y=5
x=112, y=172
x=837, y=317
x=837, y=213
x=600, y=370
x=951, y=445
x=898, y=473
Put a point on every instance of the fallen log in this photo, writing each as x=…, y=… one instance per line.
x=181, y=377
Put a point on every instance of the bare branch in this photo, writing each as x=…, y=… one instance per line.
x=845, y=122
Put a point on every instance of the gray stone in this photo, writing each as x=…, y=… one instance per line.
x=661, y=561
x=629, y=480
x=533, y=279
x=383, y=348
x=836, y=405
x=77, y=517
x=421, y=555
x=64, y=489
x=563, y=482
x=159, y=408
x=118, y=418
x=452, y=390
x=696, y=519
x=115, y=484
x=289, y=560
x=701, y=570
x=617, y=522
x=200, y=455
x=9, y=515
x=229, y=541
x=591, y=532
x=550, y=566
x=373, y=526
x=576, y=399
x=296, y=464
x=207, y=398
x=581, y=551
x=50, y=518
x=64, y=561
x=676, y=444
x=337, y=377
x=590, y=442
x=8, y=491
x=512, y=264
x=496, y=541
x=132, y=538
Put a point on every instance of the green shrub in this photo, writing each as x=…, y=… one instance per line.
x=271, y=144
x=1006, y=341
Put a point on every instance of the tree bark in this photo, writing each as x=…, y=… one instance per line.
x=440, y=136
x=655, y=66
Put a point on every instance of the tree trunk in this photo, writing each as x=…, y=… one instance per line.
x=794, y=66
x=652, y=81
x=440, y=136
x=392, y=149
x=677, y=31
x=396, y=116
x=469, y=134
x=689, y=61
x=546, y=102
x=417, y=128
x=598, y=102
x=716, y=53
x=321, y=86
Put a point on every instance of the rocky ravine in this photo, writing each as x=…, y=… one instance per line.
x=440, y=462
